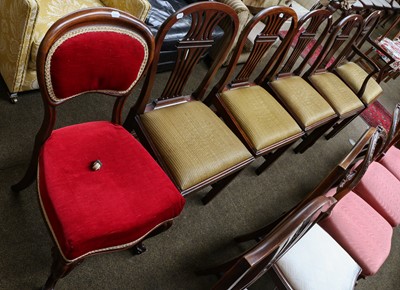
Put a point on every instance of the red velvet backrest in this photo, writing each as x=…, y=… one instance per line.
x=94, y=50
x=99, y=59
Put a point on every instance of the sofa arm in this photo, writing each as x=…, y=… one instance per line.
x=18, y=19
x=138, y=8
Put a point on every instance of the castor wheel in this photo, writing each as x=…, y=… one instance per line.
x=14, y=99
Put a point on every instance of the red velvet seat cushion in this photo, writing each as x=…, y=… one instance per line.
x=391, y=161
x=381, y=189
x=89, y=211
x=360, y=230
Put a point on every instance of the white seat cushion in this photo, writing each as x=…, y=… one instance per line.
x=318, y=262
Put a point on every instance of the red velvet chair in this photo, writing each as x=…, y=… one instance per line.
x=99, y=189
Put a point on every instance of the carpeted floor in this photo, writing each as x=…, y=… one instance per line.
x=200, y=237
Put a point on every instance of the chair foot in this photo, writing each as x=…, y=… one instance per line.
x=138, y=249
x=59, y=269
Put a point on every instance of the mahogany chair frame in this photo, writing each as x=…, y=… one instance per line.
x=95, y=17
x=343, y=37
x=244, y=270
x=85, y=18
x=385, y=71
x=369, y=26
x=278, y=237
x=273, y=18
x=343, y=176
x=315, y=20
x=205, y=17
x=394, y=132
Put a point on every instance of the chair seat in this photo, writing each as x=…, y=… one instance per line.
x=193, y=142
x=354, y=76
x=302, y=100
x=90, y=211
x=260, y=116
x=318, y=262
x=381, y=189
x=391, y=161
x=360, y=230
x=337, y=93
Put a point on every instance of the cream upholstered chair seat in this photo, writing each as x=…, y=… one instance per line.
x=263, y=119
x=342, y=99
x=194, y=142
x=302, y=100
x=354, y=77
x=318, y=262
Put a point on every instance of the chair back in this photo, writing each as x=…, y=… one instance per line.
x=312, y=30
x=100, y=50
x=394, y=131
x=204, y=19
x=346, y=175
x=370, y=23
x=268, y=25
x=338, y=45
x=258, y=260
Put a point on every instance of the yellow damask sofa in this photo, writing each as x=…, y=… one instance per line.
x=23, y=24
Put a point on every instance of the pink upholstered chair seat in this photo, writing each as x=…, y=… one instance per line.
x=381, y=189
x=360, y=230
x=90, y=211
x=391, y=161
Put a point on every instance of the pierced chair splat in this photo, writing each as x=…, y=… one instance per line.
x=99, y=189
x=190, y=142
x=297, y=253
x=311, y=111
x=255, y=116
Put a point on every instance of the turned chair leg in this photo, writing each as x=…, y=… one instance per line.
x=59, y=269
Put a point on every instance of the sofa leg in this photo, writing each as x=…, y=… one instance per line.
x=13, y=98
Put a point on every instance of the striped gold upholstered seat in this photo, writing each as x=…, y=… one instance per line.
x=354, y=76
x=303, y=101
x=342, y=99
x=261, y=117
x=193, y=142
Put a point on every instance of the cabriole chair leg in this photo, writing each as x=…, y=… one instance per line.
x=59, y=269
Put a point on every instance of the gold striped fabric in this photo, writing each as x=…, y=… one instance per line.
x=303, y=100
x=336, y=92
x=260, y=116
x=354, y=77
x=194, y=143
